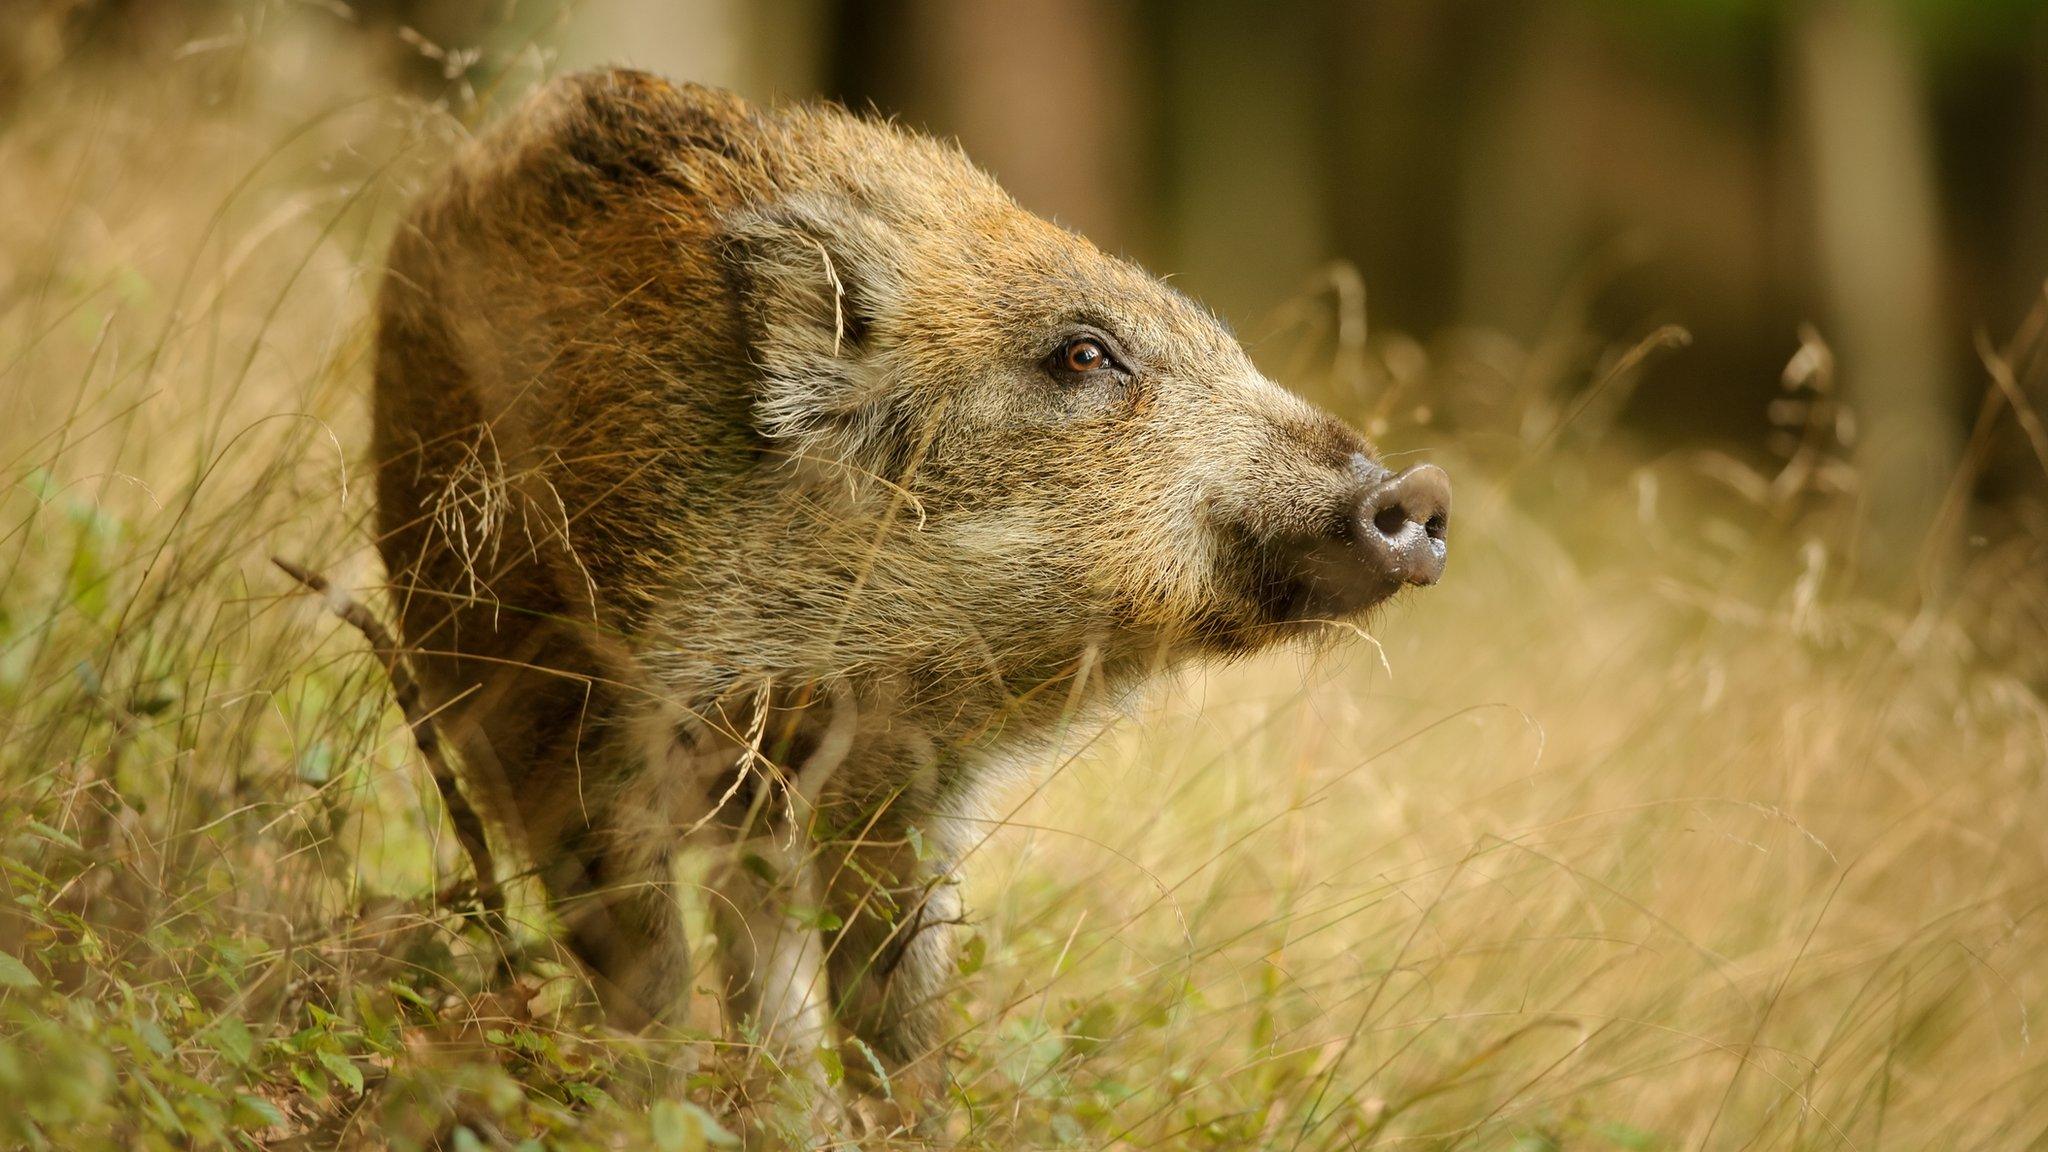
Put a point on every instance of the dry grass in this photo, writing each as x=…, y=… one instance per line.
x=1645, y=830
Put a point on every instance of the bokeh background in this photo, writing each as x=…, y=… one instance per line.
x=1703, y=805
x=1878, y=168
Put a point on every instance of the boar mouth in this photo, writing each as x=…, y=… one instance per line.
x=1289, y=586
x=1304, y=581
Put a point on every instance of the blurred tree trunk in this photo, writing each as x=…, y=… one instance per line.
x=34, y=36
x=1866, y=136
x=1041, y=92
x=1245, y=173
x=1523, y=203
x=2028, y=273
x=762, y=49
x=1402, y=74
x=1045, y=94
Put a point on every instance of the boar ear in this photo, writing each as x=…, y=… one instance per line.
x=815, y=274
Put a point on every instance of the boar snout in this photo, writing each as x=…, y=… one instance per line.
x=1401, y=522
x=1388, y=533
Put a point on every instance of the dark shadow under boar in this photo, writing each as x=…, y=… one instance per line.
x=771, y=480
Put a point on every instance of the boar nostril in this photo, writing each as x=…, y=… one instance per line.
x=1408, y=515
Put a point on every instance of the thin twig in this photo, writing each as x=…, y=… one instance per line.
x=469, y=828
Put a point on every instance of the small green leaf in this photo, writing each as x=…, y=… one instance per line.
x=680, y=1126
x=231, y=1037
x=874, y=1064
x=758, y=864
x=49, y=833
x=1094, y=1026
x=15, y=974
x=973, y=954
x=316, y=764
x=672, y=1129
x=256, y=1112
x=343, y=1069
x=713, y=1131
x=407, y=993
x=817, y=918
x=152, y=1034
x=1632, y=1138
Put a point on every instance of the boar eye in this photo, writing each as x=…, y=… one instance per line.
x=1081, y=356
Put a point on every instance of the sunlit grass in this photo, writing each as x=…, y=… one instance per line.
x=1646, y=829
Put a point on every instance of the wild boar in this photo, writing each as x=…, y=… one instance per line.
x=769, y=479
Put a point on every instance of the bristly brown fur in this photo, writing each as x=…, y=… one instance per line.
x=725, y=492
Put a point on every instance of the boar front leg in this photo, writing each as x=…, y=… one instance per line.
x=766, y=905
x=892, y=957
x=615, y=894
x=611, y=874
